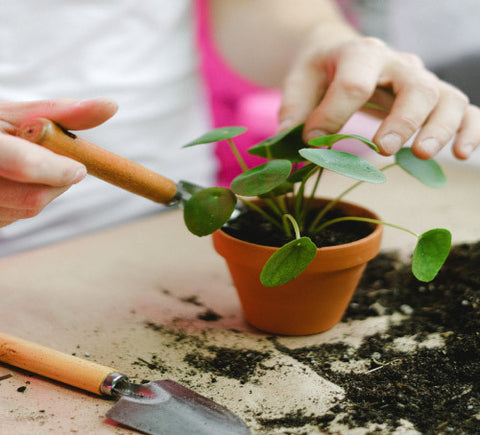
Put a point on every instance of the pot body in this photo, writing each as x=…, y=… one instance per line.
x=312, y=302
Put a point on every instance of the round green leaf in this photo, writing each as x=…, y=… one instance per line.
x=430, y=253
x=288, y=262
x=344, y=163
x=216, y=135
x=282, y=189
x=283, y=145
x=331, y=139
x=302, y=173
x=208, y=209
x=262, y=179
x=426, y=171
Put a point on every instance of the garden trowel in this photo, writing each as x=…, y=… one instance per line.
x=106, y=165
x=158, y=408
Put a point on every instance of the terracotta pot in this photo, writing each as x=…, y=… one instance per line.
x=314, y=301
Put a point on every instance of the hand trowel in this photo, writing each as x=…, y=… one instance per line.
x=106, y=165
x=158, y=408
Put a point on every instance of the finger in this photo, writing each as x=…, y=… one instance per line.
x=442, y=124
x=357, y=71
x=24, y=200
x=468, y=137
x=304, y=87
x=71, y=114
x=380, y=103
x=416, y=97
x=26, y=162
x=9, y=214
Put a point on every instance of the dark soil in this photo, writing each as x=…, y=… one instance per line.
x=252, y=227
x=436, y=389
x=233, y=363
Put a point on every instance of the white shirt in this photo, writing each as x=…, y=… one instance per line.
x=141, y=53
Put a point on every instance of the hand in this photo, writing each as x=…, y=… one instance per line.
x=32, y=176
x=330, y=82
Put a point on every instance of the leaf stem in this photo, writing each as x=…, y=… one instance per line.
x=330, y=205
x=294, y=224
x=315, y=187
x=260, y=211
x=274, y=206
x=237, y=155
x=364, y=219
x=370, y=105
x=336, y=200
x=300, y=207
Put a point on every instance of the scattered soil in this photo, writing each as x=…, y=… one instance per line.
x=436, y=389
x=233, y=363
x=209, y=316
x=252, y=227
x=433, y=385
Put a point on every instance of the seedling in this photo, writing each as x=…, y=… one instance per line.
x=281, y=183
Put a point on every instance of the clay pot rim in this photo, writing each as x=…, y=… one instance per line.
x=326, y=249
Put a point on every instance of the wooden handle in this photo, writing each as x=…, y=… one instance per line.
x=53, y=364
x=99, y=162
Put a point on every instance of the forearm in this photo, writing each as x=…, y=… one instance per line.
x=261, y=38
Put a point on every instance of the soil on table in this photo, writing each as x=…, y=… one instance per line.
x=252, y=227
x=432, y=381
x=436, y=388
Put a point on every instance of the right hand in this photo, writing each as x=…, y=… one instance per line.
x=337, y=74
x=32, y=176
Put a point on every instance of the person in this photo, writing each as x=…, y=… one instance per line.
x=140, y=57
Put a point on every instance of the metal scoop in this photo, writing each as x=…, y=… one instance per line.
x=157, y=408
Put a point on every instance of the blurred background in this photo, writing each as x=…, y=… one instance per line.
x=444, y=33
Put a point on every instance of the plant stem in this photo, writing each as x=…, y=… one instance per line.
x=274, y=206
x=315, y=187
x=294, y=225
x=281, y=203
x=391, y=165
x=330, y=205
x=260, y=211
x=300, y=211
x=237, y=155
x=369, y=105
x=277, y=205
x=363, y=219
x=298, y=200
x=336, y=200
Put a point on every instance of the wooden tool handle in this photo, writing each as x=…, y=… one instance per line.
x=99, y=162
x=53, y=364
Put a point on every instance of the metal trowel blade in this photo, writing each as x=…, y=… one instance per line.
x=167, y=408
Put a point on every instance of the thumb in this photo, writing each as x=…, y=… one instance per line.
x=69, y=113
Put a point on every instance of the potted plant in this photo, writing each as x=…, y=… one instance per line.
x=296, y=259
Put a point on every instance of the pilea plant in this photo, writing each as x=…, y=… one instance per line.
x=282, y=183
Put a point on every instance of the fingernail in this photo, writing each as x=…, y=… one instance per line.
x=312, y=134
x=430, y=146
x=466, y=150
x=391, y=143
x=102, y=100
x=79, y=175
x=286, y=124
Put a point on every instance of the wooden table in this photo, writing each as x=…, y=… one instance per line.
x=147, y=297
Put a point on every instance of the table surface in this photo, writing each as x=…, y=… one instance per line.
x=144, y=296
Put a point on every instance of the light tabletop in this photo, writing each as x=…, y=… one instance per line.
x=148, y=297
